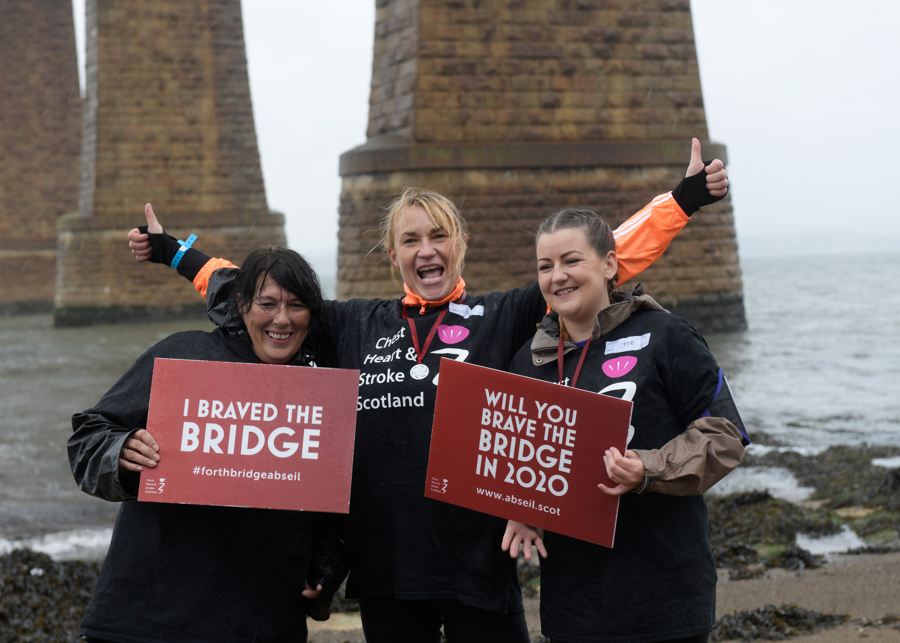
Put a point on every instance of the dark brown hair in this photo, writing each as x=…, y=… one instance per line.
x=288, y=269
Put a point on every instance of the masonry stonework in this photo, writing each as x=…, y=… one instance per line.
x=168, y=119
x=517, y=108
x=40, y=143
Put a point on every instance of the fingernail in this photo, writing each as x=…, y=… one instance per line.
x=152, y=464
x=156, y=457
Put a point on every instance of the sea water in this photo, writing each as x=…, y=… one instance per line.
x=818, y=366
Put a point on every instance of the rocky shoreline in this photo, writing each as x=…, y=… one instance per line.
x=753, y=536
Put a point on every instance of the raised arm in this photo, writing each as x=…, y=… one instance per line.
x=152, y=243
x=645, y=236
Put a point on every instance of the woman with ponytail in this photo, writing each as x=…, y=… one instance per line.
x=685, y=435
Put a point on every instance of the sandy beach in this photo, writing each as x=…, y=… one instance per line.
x=864, y=586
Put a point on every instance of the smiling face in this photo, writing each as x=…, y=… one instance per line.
x=573, y=278
x=425, y=254
x=277, y=323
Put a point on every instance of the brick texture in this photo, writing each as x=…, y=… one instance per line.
x=40, y=134
x=535, y=70
x=168, y=119
x=571, y=72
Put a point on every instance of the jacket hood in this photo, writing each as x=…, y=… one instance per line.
x=545, y=345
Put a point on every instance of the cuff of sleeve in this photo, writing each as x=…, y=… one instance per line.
x=645, y=485
x=201, y=281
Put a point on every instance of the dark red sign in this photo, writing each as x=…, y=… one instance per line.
x=251, y=435
x=526, y=450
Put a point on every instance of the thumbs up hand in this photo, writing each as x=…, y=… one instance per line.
x=716, y=177
x=139, y=241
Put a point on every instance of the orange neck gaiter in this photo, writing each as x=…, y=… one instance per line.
x=412, y=299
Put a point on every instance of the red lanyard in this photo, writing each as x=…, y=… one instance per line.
x=420, y=354
x=559, y=359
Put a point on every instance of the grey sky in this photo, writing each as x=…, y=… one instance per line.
x=804, y=93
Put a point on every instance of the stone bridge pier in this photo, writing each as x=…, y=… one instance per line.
x=168, y=120
x=517, y=108
x=40, y=143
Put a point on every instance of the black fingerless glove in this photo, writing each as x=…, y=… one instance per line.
x=164, y=247
x=691, y=194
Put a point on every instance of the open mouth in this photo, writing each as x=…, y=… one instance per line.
x=431, y=273
x=278, y=337
x=564, y=291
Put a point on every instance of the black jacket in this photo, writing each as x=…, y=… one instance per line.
x=184, y=572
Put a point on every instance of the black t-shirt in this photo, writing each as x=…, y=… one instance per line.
x=186, y=573
x=658, y=581
x=401, y=543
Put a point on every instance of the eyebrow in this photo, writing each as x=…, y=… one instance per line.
x=562, y=256
x=410, y=233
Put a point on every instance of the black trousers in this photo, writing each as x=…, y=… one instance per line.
x=386, y=619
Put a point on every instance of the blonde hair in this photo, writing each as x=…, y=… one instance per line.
x=440, y=210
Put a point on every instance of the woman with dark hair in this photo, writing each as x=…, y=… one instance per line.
x=419, y=564
x=685, y=435
x=201, y=573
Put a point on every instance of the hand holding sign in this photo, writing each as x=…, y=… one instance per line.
x=139, y=451
x=626, y=470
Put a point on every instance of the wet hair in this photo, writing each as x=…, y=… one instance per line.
x=442, y=213
x=289, y=270
x=596, y=231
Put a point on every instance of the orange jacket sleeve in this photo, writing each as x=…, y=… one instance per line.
x=646, y=235
x=201, y=281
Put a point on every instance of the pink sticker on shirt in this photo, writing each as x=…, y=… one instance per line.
x=452, y=334
x=619, y=366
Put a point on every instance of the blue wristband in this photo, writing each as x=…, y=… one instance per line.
x=185, y=246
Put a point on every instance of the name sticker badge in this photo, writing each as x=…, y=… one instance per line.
x=465, y=312
x=633, y=343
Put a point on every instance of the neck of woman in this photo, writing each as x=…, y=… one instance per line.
x=578, y=331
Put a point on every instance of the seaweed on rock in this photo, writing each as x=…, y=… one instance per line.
x=844, y=476
x=773, y=623
x=41, y=600
x=757, y=517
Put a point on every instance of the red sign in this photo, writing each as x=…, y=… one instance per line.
x=251, y=435
x=526, y=450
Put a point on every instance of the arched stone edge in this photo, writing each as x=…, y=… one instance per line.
x=390, y=155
